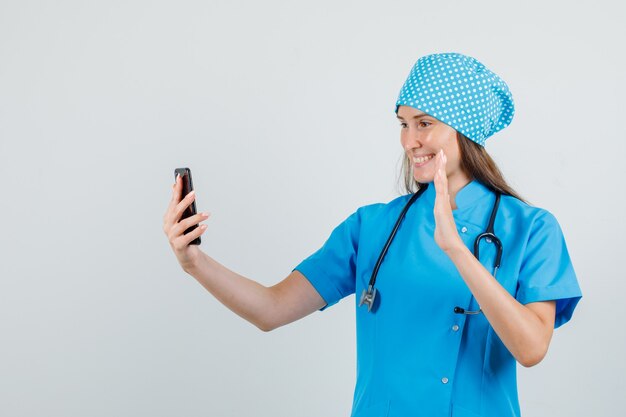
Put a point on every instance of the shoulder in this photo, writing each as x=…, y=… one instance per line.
x=369, y=215
x=374, y=210
x=531, y=217
x=375, y=214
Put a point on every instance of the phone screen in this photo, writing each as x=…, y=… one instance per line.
x=185, y=174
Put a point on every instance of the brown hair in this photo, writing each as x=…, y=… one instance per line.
x=475, y=162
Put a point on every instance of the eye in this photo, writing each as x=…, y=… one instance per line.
x=422, y=123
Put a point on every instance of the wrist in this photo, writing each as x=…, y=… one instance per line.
x=192, y=263
x=458, y=251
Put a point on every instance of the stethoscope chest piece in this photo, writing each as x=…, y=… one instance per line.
x=368, y=297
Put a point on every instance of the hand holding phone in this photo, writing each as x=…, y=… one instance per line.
x=180, y=223
x=185, y=174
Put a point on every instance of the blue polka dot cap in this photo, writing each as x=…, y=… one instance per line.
x=461, y=92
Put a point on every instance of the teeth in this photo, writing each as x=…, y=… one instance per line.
x=421, y=159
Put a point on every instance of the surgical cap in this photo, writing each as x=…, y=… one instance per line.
x=461, y=92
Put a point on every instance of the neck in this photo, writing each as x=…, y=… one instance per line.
x=455, y=183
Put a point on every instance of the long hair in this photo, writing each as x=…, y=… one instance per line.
x=475, y=162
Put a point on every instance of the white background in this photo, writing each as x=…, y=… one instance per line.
x=284, y=112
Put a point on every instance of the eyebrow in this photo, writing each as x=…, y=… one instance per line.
x=414, y=117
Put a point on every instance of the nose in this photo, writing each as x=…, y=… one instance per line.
x=411, y=139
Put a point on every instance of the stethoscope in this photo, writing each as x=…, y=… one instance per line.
x=369, y=295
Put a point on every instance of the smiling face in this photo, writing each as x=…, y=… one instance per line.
x=422, y=136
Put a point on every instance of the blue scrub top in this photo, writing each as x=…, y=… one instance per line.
x=415, y=356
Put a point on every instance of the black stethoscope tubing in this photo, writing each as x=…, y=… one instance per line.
x=369, y=295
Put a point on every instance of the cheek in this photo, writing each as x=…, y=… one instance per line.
x=454, y=161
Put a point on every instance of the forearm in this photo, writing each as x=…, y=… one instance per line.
x=245, y=297
x=520, y=329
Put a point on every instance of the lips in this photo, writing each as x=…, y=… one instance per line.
x=422, y=160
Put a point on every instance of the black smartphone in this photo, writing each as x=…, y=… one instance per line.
x=185, y=174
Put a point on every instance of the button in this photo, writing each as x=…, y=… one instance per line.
x=463, y=229
x=455, y=327
x=444, y=380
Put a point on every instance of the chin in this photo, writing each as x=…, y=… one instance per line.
x=424, y=178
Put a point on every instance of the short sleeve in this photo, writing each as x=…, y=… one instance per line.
x=332, y=268
x=546, y=271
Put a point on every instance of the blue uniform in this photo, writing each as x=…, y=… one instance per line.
x=415, y=356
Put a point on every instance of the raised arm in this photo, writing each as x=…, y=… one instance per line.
x=525, y=329
x=265, y=307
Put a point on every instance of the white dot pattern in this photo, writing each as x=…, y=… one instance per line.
x=461, y=92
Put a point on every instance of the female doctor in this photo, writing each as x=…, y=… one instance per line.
x=442, y=316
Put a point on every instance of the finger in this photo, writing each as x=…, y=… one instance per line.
x=183, y=241
x=439, y=174
x=190, y=221
x=175, y=194
x=178, y=229
x=176, y=189
x=176, y=209
x=437, y=178
x=167, y=217
x=442, y=203
x=182, y=205
x=444, y=175
x=442, y=197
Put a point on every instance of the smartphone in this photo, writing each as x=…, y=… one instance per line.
x=185, y=174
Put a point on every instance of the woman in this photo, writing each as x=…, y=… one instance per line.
x=441, y=326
